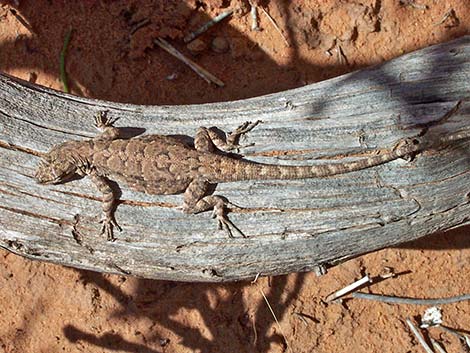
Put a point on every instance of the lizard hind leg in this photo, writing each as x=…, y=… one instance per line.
x=208, y=139
x=196, y=201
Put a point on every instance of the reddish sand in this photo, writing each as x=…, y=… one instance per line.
x=48, y=308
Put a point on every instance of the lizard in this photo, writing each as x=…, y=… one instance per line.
x=163, y=165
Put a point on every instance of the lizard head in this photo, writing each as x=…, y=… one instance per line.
x=56, y=166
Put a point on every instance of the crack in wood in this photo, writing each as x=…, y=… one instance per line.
x=60, y=222
x=439, y=181
x=7, y=193
x=426, y=126
x=10, y=146
x=121, y=201
x=51, y=128
x=29, y=194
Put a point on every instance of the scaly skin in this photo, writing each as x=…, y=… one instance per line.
x=163, y=165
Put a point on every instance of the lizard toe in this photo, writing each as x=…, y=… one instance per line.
x=225, y=223
x=109, y=223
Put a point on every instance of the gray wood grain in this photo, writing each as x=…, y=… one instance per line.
x=292, y=225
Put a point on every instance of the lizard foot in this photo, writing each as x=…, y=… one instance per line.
x=108, y=225
x=102, y=120
x=233, y=137
x=223, y=222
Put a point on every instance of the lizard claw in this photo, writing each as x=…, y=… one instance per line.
x=108, y=224
x=233, y=137
x=223, y=222
x=226, y=224
x=102, y=120
x=245, y=127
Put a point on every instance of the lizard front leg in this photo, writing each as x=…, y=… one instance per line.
x=108, y=205
x=196, y=201
x=105, y=125
x=108, y=201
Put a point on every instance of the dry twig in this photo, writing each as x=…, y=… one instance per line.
x=254, y=17
x=139, y=25
x=404, y=300
x=21, y=20
x=255, y=333
x=342, y=59
x=275, y=318
x=210, y=78
x=301, y=317
x=193, y=35
x=464, y=339
x=449, y=14
x=348, y=289
x=304, y=317
x=254, y=282
x=275, y=25
x=437, y=346
x=419, y=336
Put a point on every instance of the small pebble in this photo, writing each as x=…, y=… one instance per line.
x=196, y=46
x=172, y=76
x=220, y=45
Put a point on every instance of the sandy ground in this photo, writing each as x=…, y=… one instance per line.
x=50, y=308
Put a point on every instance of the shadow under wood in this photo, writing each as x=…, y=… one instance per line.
x=229, y=318
x=458, y=238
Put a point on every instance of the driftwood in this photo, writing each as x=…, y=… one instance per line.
x=292, y=225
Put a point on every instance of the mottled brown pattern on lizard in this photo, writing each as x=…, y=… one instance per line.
x=158, y=164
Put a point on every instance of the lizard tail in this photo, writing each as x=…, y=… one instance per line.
x=251, y=171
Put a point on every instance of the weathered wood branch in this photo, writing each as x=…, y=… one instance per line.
x=292, y=225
